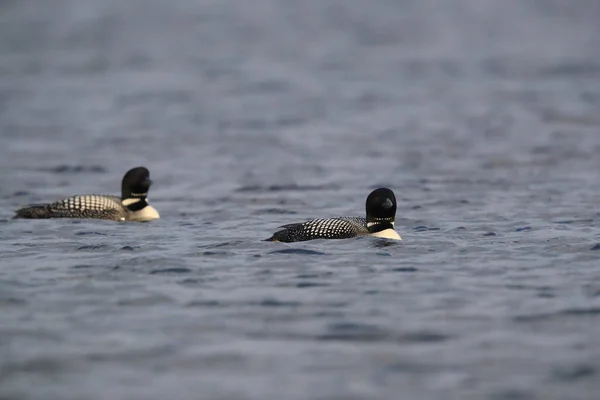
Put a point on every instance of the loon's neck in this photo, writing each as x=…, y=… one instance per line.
x=378, y=226
x=135, y=203
x=140, y=210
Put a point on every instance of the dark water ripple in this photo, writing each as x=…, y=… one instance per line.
x=298, y=251
x=482, y=115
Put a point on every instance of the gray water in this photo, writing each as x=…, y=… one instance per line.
x=482, y=115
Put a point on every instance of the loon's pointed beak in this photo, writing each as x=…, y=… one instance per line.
x=387, y=204
x=148, y=182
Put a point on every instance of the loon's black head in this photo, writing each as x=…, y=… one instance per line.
x=381, y=210
x=136, y=184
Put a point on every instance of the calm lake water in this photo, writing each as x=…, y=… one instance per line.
x=483, y=116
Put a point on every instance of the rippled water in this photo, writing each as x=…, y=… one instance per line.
x=483, y=116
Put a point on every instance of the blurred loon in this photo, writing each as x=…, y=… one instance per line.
x=131, y=206
x=381, y=213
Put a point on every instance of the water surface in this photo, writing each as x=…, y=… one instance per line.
x=482, y=116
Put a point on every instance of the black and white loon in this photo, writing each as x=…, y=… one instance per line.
x=131, y=206
x=381, y=214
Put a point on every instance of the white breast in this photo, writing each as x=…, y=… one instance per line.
x=147, y=213
x=387, y=234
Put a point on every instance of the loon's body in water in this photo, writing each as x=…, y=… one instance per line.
x=379, y=222
x=131, y=206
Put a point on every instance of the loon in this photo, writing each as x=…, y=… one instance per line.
x=131, y=206
x=379, y=222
